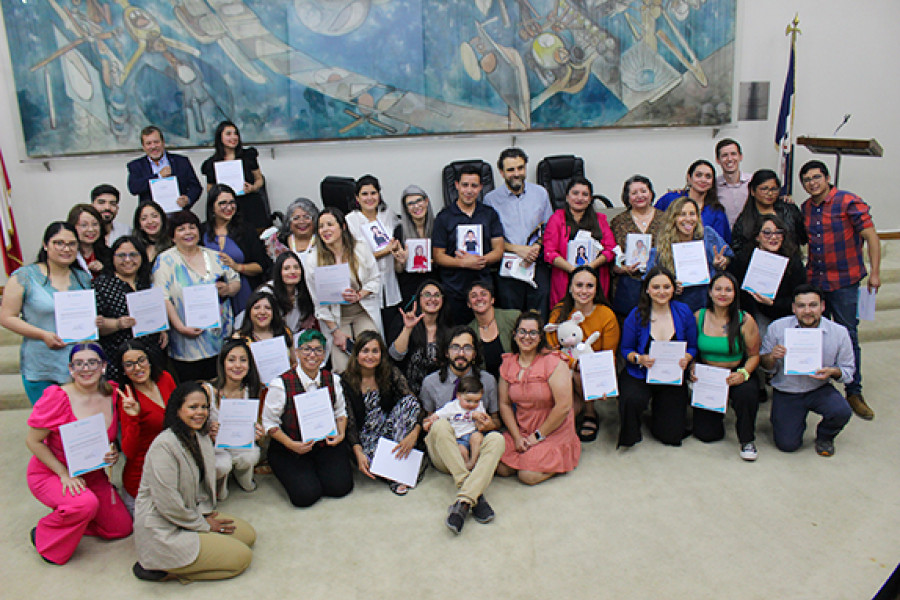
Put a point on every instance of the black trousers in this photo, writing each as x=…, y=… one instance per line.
x=323, y=471
x=668, y=411
x=709, y=426
x=518, y=295
x=197, y=370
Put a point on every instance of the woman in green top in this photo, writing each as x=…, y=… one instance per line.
x=728, y=337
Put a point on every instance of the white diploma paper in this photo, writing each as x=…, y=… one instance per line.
x=331, y=281
x=76, y=315
x=598, y=375
x=148, y=307
x=710, y=391
x=164, y=191
x=85, y=444
x=271, y=358
x=764, y=273
x=691, y=267
x=237, y=423
x=385, y=463
x=804, y=351
x=231, y=173
x=665, y=369
x=201, y=306
x=315, y=415
x=865, y=307
x=421, y=264
x=637, y=249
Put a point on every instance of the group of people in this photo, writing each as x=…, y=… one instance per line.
x=440, y=353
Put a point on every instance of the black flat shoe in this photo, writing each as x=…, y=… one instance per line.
x=148, y=574
x=34, y=543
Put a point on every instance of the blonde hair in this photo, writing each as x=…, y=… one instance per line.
x=325, y=256
x=669, y=233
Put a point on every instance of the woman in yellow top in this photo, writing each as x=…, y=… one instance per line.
x=586, y=297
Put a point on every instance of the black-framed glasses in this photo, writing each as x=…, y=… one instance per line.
x=461, y=348
x=127, y=365
x=61, y=245
x=86, y=365
x=127, y=255
x=532, y=333
x=311, y=350
x=812, y=178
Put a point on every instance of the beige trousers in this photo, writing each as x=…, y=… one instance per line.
x=221, y=555
x=444, y=453
x=354, y=320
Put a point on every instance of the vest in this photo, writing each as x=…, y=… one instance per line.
x=292, y=386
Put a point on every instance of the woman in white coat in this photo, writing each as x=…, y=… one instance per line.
x=177, y=532
x=358, y=311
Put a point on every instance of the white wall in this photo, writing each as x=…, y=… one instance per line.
x=846, y=64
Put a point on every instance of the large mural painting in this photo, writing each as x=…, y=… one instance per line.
x=89, y=74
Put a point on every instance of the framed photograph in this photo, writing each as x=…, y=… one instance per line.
x=637, y=249
x=580, y=252
x=469, y=239
x=418, y=255
x=376, y=235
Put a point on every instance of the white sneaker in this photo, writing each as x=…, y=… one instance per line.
x=749, y=452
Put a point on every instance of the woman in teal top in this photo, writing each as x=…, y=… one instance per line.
x=728, y=337
x=27, y=308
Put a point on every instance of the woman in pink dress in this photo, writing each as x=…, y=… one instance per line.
x=540, y=436
x=86, y=504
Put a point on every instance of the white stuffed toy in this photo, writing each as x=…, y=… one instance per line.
x=571, y=338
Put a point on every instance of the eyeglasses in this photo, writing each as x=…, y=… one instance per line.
x=772, y=232
x=86, y=226
x=131, y=364
x=127, y=255
x=456, y=348
x=431, y=296
x=311, y=350
x=416, y=202
x=532, y=333
x=812, y=178
x=304, y=218
x=61, y=245
x=86, y=365
x=769, y=191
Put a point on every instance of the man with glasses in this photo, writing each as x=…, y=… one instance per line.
x=460, y=354
x=731, y=185
x=105, y=198
x=524, y=209
x=838, y=223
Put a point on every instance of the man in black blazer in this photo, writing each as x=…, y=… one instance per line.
x=159, y=163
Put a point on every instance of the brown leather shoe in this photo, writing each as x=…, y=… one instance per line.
x=859, y=406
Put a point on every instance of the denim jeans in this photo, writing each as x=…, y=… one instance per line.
x=840, y=307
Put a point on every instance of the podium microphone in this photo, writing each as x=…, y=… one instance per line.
x=844, y=122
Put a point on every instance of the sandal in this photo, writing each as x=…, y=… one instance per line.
x=401, y=489
x=590, y=427
x=263, y=468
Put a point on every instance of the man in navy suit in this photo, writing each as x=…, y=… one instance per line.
x=159, y=163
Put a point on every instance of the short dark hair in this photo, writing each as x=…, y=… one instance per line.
x=104, y=188
x=469, y=385
x=511, y=153
x=807, y=288
x=530, y=315
x=468, y=170
x=485, y=283
x=150, y=129
x=814, y=164
x=626, y=189
x=180, y=218
x=444, y=350
x=727, y=142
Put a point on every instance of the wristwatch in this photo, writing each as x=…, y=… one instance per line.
x=538, y=435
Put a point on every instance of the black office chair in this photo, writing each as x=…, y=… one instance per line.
x=555, y=173
x=448, y=179
x=338, y=192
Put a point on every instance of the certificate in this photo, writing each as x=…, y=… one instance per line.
x=76, y=315
x=231, y=173
x=665, y=369
x=164, y=191
x=386, y=464
x=418, y=255
x=804, y=350
x=469, y=239
x=271, y=358
x=637, y=249
x=710, y=391
x=315, y=415
x=148, y=308
x=691, y=267
x=865, y=307
x=331, y=281
x=516, y=268
x=237, y=423
x=201, y=306
x=764, y=273
x=85, y=444
x=598, y=375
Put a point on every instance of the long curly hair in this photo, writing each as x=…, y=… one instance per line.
x=325, y=255
x=669, y=233
x=353, y=374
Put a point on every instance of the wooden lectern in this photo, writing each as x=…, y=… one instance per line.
x=841, y=147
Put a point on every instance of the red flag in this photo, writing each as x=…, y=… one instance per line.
x=12, y=252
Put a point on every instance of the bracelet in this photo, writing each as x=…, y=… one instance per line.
x=743, y=372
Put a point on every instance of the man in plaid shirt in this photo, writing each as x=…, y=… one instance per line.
x=838, y=223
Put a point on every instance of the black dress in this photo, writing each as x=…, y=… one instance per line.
x=252, y=205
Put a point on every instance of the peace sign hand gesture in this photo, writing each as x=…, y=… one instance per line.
x=720, y=261
x=130, y=404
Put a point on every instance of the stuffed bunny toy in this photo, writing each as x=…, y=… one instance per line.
x=571, y=338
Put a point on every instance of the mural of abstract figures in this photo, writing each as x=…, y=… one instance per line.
x=90, y=74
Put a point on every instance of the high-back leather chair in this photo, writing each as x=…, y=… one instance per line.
x=448, y=179
x=338, y=192
x=555, y=173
